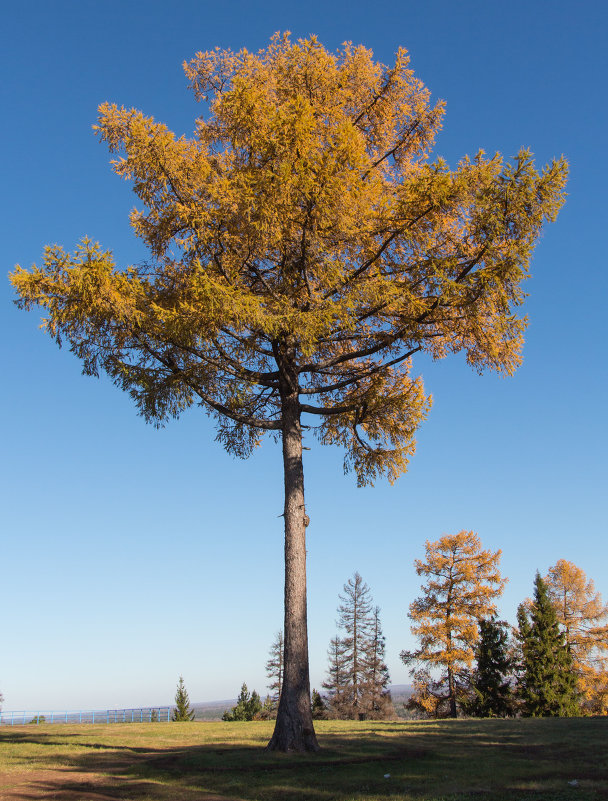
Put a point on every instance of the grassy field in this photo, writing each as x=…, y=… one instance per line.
x=497, y=760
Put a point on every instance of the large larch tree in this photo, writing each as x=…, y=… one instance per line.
x=303, y=248
x=583, y=617
x=462, y=582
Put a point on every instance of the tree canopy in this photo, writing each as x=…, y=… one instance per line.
x=303, y=248
x=304, y=210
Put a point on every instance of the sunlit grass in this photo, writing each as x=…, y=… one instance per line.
x=498, y=760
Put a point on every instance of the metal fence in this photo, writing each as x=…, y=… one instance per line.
x=145, y=714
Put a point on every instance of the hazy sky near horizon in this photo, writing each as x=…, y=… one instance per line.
x=132, y=555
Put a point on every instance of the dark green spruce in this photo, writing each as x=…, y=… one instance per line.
x=491, y=680
x=547, y=682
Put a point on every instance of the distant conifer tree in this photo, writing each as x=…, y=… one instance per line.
x=269, y=709
x=248, y=706
x=337, y=679
x=182, y=711
x=319, y=708
x=355, y=618
x=490, y=681
x=547, y=682
x=377, y=701
x=274, y=668
x=357, y=674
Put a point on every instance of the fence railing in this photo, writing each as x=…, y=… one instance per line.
x=146, y=714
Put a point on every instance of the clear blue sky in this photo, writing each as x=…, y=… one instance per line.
x=131, y=555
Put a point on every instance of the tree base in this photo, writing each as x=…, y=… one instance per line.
x=290, y=736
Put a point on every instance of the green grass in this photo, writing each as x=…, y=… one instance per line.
x=497, y=760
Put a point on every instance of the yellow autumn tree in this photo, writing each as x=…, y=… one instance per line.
x=304, y=248
x=462, y=582
x=584, y=619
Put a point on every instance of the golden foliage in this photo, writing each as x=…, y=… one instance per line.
x=582, y=615
x=462, y=582
x=301, y=235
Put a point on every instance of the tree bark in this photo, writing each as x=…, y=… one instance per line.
x=294, y=730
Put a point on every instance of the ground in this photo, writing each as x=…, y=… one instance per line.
x=493, y=760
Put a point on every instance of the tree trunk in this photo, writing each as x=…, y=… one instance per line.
x=451, y=684
x=294, y=729
x=452, y=693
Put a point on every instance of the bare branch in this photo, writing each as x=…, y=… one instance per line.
x=329, y=410
x=352, y=276
x=268, y=425
x=393, y=150
x=246, y=343
x=235, y=368
x=169, y=363
x=360, y=375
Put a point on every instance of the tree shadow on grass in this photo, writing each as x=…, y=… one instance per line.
x=219, y=771
x=43, y=738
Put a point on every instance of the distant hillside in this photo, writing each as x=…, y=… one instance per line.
x=400, y=693
x=213, y=710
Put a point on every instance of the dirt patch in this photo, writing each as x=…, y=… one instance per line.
x=68, y=785
x=56, y=784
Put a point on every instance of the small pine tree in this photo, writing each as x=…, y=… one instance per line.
x=547, y=682
x=490, y=681
x=248, y=706
x=182, y=712
x=269, y=709
x=319, y=707
x=255, y=706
